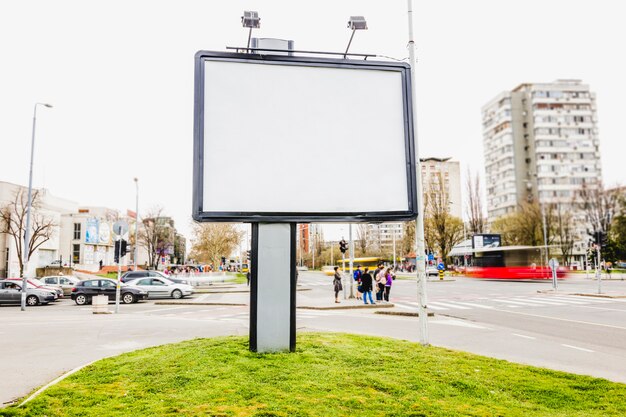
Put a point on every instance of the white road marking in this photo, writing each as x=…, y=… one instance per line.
x=161, y=309
x=522, y=303
x=524, y=336
x=577, y=348
x=459, y=323
x=621, y=310
x=474, y=305
x=449, y=305
x=546, y=302
x=560, y=319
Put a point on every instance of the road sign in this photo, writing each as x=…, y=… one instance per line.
x=120, y=227
x=553, y=263
x=441, y=266
x=431, y=257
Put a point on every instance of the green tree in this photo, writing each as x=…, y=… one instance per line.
x=211, y=241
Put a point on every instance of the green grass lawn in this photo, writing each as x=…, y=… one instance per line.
x=329, y=375
x=112, y=275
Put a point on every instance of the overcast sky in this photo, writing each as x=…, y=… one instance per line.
x=120, y=77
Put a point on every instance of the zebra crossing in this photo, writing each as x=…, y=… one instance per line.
x=508, y=302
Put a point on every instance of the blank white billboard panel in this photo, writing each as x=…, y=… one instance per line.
x=303, y=140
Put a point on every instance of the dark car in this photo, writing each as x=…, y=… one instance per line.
x=83, y=292
x=130, y=275
x=11, y=293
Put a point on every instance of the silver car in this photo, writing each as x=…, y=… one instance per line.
x=162, y=287
x=11, y=293
x=64, y=282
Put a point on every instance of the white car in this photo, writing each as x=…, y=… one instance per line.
x=162, y=287
x=65, y=282
x=431, y=270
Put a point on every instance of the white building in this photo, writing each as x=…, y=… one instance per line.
x=541, y=144
x=443, y=169
x=51, y=208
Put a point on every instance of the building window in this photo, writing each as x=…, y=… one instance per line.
x=76, y=231
x=76, y=254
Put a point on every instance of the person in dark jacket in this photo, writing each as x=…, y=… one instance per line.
x=366, y=286
x=337, y=284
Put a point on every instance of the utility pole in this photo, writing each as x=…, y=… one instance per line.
x=420, y=259
x=351, y=280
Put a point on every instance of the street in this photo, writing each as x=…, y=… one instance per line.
x=502, y=319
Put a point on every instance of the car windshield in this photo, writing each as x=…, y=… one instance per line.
x=36, y=281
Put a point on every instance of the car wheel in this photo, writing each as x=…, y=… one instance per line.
x=128, y=298
x=81, y=299
x=177, y=294
x=32, y=300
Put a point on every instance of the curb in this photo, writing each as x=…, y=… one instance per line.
x=56, y=381
x=186, y=303
x=403, y=313
x=206, y=291
x=347, y=307
x=582, y=294
x=601, y=295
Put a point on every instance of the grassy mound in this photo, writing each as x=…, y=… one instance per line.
x=329, y=375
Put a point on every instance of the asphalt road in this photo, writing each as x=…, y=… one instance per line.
x=507, y=320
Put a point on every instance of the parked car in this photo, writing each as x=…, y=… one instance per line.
x=64, y=282
x=11, y=293
x=38, y=284
x=162, y=287
x=83, y=292
x=130, y=275
x=431, y=270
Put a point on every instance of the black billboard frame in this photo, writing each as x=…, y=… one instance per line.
x=200, y=215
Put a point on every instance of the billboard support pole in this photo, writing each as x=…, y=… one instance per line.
x=420, y=260
x=273, y=287
x=351, y=279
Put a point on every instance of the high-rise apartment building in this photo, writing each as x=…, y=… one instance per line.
x=441, y=175
x=540, y=142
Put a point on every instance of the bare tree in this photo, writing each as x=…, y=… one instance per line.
x=408, y=237
x=362, y=235
x=600, y=206
x=156, y=234
x=441, y=230
x=13, y=223
x=211, y=241
x=565, y=232
x=475, y=204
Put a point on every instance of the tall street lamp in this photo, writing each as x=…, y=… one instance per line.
x=136, y=220
x=28, y=208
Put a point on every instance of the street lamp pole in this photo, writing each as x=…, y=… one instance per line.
x=420, y=260
x=26, y=248
x=136, y=221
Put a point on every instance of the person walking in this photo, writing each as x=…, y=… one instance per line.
x=357, y=277
x=337, y=284
x=380, y=283
x=366, y=286
x=388, y=282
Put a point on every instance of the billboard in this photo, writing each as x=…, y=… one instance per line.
x=485, y=241
x=91, y=231
x=299, y=139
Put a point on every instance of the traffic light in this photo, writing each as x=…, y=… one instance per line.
x=248, y=255
x=121, y=248
x=603, y=239
x=343, y=246
x=223, y=260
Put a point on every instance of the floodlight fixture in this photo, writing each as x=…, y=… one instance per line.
x=251, y=20
x=355, y=23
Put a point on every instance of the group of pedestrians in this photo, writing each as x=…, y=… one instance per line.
x=379, y=281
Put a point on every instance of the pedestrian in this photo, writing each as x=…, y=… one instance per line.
x=388, y=283
x=366, y=286
x=337, y=284
x=379, y=277
x=100, y=263
x=357, y=277
x=248, y=277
